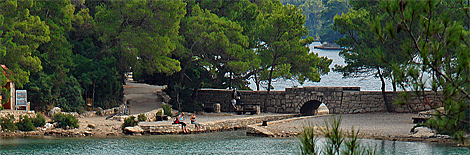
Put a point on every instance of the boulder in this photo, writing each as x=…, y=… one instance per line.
x=423, y=132
x=92, y=126
x=54, y=110
x=87, y=133
x=134, y=129
x=322, y=110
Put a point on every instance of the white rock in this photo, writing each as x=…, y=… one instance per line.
x=423, y=132
x=48, y=126
x=134, y=129
x=54, y=110
x=322, y=110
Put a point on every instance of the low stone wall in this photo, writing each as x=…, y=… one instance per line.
x=230, y=124
x=105, y=112
x=339, y=100
x=17, y=114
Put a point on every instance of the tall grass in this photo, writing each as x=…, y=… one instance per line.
x=337, y=142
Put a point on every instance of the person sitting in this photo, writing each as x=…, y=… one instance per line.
x=193, y=121
x=180, y=120
x=238, y=97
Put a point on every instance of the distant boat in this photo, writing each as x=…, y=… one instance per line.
x=327, y=46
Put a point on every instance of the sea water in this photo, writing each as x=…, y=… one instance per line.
x=229, y=142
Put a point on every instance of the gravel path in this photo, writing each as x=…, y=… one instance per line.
x=370, y=124
x=142, y=97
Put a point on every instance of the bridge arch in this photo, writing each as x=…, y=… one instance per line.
x=309, y=104
x=310, y=107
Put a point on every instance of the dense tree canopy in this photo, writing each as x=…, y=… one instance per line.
x=420, y=45
x=68, y=52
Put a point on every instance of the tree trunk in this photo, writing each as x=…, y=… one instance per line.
x=269, y=85
x=181, y=78
x=387, y=104
x=93, y=100
x=257, y=81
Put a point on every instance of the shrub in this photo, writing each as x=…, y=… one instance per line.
x=39, y=120
x=129, y=122
x=65, y=120
x=336, y=141
x=141, y=117
x=159, y=112
x=167, y=109
x=98, y=112
x=7, y=123
x=25, y=124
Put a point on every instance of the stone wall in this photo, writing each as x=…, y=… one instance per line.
x=337, y=99
x=221, y=125
x=17, y=114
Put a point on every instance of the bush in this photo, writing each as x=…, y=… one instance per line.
x=25, y=124
x=98, y=112
x=141, y=117
x=167, y=109
x=7, y=123
x=159, y=112
x=129, y=122
x=336, y=141
x=39, y=120
x=65, y=120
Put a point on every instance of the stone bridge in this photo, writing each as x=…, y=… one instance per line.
x=305, y=100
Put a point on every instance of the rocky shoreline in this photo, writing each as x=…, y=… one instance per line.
x=278, y=125
x=286, y=128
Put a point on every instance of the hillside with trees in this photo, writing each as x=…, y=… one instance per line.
x=319, y=17
x=66, y=52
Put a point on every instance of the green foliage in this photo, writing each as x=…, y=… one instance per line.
x=98, y=112
x=20, y=36
x=308, y=140
x=25, y=124
x=337, y=141
x=420, y=46
x=141, y=117
x=8, y=124
x=130, y=121
x=319, y=17
x=65, y=121
x=333, y=134
x=145, y=29
x=167, y=109
x=39, y=120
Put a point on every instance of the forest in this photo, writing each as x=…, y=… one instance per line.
x=66, y=52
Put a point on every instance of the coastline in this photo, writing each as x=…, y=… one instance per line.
x=381, y=126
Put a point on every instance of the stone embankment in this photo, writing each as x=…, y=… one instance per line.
x=218, y=125
x=17, y=113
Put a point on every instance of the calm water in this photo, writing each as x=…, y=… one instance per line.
x=232, y=142
x=333, y=78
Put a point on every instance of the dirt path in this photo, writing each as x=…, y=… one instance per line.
x=142, y=97
x=381, y=124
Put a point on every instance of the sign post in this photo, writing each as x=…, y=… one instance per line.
x=21, y=99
